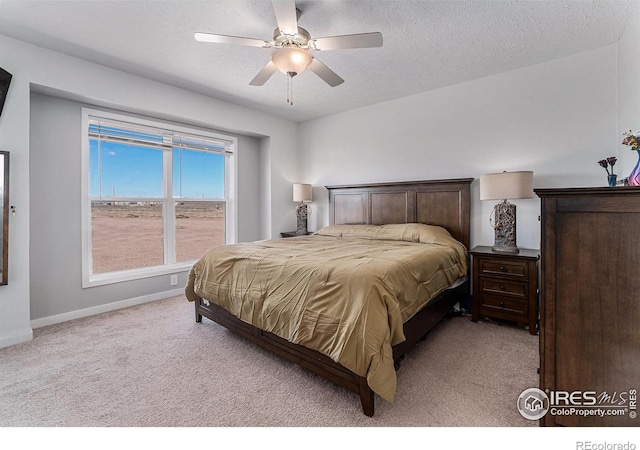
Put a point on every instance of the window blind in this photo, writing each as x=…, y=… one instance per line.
x=134, y=134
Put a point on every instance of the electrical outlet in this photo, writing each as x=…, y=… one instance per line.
x=174, y=280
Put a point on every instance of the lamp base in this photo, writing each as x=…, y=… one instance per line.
x=302, y=213
x=504, y=249
x=504, y=224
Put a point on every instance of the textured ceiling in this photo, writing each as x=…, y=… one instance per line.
x=427, y=44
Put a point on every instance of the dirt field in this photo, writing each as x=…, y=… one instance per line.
x=128, y=236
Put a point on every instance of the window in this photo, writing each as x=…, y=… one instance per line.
x=155, y=196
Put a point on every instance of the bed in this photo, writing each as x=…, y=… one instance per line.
x=350, y=300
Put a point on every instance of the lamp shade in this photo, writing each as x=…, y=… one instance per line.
x=301, y=192
x=291, y=60
x=506, y=185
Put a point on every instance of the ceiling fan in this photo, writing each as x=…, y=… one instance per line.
x=292, y=47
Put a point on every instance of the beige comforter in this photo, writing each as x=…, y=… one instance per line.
x=344, y=291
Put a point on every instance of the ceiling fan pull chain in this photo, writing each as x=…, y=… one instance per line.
x=290, y=76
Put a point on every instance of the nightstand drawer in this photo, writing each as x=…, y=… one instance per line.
x=495, y=303
x=509, y=288
x=515, y=269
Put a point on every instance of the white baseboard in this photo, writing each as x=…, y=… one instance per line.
x=17, y=338
x=59, y=318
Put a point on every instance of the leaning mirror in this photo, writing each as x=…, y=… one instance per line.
x=4, y=218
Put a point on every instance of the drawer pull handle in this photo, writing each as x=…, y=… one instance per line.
x=502, y=304
x=502, y=287
x=502, y=268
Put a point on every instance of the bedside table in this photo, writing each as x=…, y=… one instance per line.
x=288, y=234
x=505, y=286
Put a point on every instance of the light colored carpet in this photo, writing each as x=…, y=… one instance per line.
x=152, y=366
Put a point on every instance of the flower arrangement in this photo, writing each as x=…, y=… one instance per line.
x=631, y=139
x=610, y=161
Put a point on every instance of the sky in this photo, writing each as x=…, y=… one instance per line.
x=135, y=171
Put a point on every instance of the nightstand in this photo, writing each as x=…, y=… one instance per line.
x=505, y=286
x=287, y=234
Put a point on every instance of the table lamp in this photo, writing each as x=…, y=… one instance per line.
x=302, y=194
x=504, y=186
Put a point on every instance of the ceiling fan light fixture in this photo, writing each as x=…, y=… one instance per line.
x=291, y=60
x=292, y=46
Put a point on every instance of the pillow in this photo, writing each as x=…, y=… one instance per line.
x=410, y=232
x=333, y=230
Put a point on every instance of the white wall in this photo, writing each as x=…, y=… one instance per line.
x=50, y=72
x=14, y=137
x=628, y=91
x=557, y=119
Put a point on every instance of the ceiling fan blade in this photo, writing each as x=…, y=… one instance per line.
x=328, y=75
x=363, y=40
x=264, y=74
x=286, y=15
x=222, y=39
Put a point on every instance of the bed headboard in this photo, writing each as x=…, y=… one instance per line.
x=435, y=202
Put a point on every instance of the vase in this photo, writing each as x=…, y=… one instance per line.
x=611, y=179
x=634, y=177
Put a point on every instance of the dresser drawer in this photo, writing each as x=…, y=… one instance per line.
x=495, y=303
x=504, y=287
x=513, y=269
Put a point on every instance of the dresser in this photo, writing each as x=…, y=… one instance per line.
x=505, y=286
x=590, y=304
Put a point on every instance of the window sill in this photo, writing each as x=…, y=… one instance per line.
x=103, y=279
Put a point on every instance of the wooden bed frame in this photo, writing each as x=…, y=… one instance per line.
x=435, y=202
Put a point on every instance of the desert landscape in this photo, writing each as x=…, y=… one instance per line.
x=129, y=235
